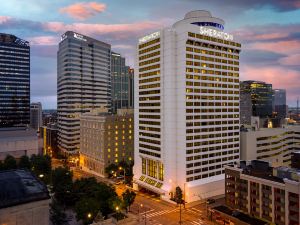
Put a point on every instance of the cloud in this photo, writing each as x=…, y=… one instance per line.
x=278, y=5
x=83, y=10
x=291, y=60
x=43, y=40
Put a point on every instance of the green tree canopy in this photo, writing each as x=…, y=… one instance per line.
x=62, y=185
x=10, y=163
x=128, y=198
x=24, y=162
x=86, y=209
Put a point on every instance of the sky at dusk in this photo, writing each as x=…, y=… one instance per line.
x=269, y=31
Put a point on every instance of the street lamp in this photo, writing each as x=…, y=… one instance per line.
x=41, y=175
x=121, y=168
x=145, y=214
x=89, y=215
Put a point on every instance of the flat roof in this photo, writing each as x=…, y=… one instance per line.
x=20, y=187
x=239, y=215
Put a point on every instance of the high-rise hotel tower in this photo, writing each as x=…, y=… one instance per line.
x=83, y=83
x=186, y=107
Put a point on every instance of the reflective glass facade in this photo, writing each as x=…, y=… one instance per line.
x=121, y=83
x=14, y=81
x=261, y=97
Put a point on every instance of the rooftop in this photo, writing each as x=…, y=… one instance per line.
x=19, y=187
x=17, y=133
x=239, y=215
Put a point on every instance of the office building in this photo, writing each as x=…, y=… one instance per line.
x=131, y=88
x=257, y=189
x=36, y=118
x=18, y=142
x=14, y=81
x=279, y=103
x=245, y=108
x=83, y=83
x=49, y=135
x=186, y=107
x=120, y=83
x=105, y=139
x=261, y=97
x=274, y=145
x=24, y=199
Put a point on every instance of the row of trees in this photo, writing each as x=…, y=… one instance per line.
x=123, y=167
x=88, y=198
x=40, y=165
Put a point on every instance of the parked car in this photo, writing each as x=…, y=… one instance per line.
x=210, y=201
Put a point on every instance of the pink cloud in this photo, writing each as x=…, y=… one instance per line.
x=291, y=60
x=285, y=47
x=121, y=30
x=44, y=40
x=4, y=19
x=278, y=76
x=83, y=10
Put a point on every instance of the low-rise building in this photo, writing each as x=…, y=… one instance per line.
x=104, y=139
x=259, y=190
x=274, y=145
x=49, y=135
x=18, y=142
x=23, y=199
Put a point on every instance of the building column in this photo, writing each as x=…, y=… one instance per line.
x=249, y=191
x=273, y=205
x=286, y=206
x=260, y=199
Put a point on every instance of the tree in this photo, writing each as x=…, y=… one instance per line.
x=41, y=167
x=10, y=162
x=179, y=200
x=111, y=169
x=24, y=162
x=128, y=198
x=62, y=185
x=86, y=209
x=1, y=166
x=57, y=214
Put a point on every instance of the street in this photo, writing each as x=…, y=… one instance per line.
x=148, y=206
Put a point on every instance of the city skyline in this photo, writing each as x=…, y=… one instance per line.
x=267, y=31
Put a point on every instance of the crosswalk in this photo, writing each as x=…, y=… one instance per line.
x=153, y=213
x=198, y=222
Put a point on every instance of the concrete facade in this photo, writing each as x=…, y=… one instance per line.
x=268, y=193
x=18, y=142
x=186, y=107
x=33, y=213
x=274, y=145
x=104, y=139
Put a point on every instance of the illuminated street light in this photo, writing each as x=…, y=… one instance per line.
x=41, y=175
x=89, y=215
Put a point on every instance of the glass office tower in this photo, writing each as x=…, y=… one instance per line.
x=14, y=81
x=261, y=97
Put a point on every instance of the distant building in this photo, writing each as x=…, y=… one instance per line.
x=23, y=199
x=257, y=189
x=121, y=82
x=131, y=88
x=49, y=117
x=83, y=84
x=105, y=138
x=18, y=142
x=261, y=97
x=36, y=113
x=245, y=108
x=49, y=135
x=14, y=81
x=279, y=103
x=274, y=145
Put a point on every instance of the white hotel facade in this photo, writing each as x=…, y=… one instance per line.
x=186, y=108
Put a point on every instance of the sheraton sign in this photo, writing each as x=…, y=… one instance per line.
x=216, y=34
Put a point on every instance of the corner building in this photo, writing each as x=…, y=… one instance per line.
x=83, y=83
x=186, y=108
